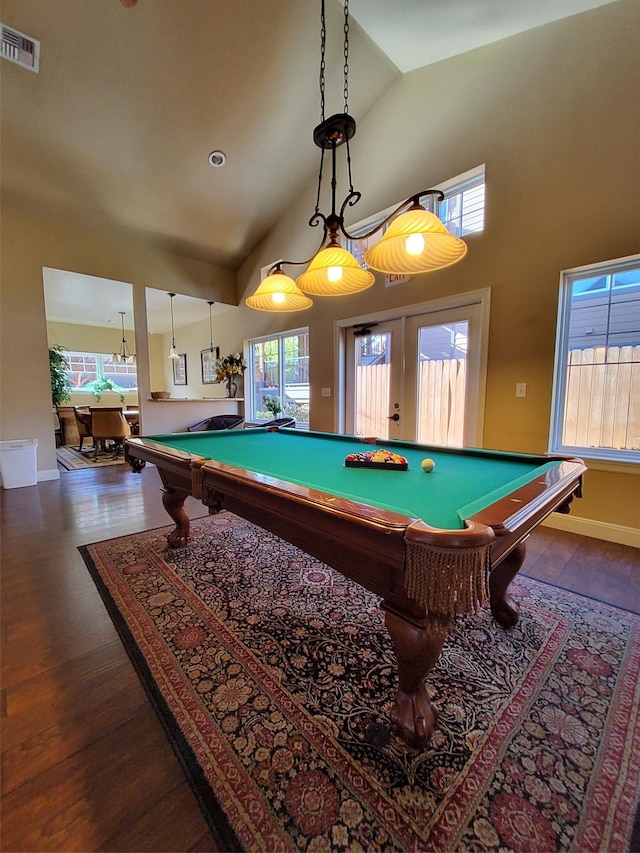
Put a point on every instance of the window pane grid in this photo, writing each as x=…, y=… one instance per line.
x=85, y=368
x=600, y=411
x=280, y=370
x=463, y=212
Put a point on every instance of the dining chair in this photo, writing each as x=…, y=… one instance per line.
x=83, y=423
x=108, y=424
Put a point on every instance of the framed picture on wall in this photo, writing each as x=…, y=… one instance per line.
x=180, y=369
x=208, y=361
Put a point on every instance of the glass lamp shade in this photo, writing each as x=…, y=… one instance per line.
x=173, y=353
x=415, y=242
x=334, y=272
x=278, y=292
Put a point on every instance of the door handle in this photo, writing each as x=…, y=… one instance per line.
x=394, y=417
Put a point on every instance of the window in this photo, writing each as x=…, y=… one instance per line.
x=279, y=365
x=86, y=367
x=596, y=395
x=461, y=211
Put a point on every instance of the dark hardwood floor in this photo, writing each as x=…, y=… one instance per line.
x=85, y=763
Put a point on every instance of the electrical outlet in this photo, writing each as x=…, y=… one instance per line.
x=521, y=389
x=326, y=392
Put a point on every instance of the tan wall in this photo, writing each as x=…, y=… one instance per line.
x=553, y=114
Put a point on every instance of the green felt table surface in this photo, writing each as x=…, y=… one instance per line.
x=463, y=482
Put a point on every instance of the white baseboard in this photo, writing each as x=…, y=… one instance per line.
x=596, y=529
x=48, y=474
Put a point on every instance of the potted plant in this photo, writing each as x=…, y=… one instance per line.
x=60, y=384
x=228, y=368
x=99, y=386
x=272, y=404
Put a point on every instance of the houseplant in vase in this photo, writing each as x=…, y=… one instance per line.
x=228, y=369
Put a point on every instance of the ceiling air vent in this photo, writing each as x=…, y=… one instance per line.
x=20, y=48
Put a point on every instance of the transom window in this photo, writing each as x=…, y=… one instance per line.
x=596, y=398
x=86, y=367
x=461, y=211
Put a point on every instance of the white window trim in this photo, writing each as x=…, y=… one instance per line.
x=248, y=354
x=604, y=459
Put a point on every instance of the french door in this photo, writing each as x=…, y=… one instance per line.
x=417, y=378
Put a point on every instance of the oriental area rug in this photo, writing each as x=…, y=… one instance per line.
x=273, y=676
x=76, y=460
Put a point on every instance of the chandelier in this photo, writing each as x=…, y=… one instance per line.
x=124, y=356
x=416, y=241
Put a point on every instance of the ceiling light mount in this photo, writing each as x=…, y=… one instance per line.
x=415, y=242
x=217, y=159
x=334, y=131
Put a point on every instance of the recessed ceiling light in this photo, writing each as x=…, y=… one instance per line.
x=217, y=158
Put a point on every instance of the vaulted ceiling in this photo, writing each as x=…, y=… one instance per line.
x=116, y=129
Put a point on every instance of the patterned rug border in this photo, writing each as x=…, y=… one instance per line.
x=214, y=814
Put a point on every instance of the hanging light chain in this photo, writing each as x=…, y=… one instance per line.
x=173, y=333
x=211, y=304
x=323, y=67
x=346, y=86
x=346, y=56
x=323, y=63
x=124, y=349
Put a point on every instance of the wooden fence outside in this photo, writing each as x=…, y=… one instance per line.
x=372, y=400
x=441, y=392
x=602, y=403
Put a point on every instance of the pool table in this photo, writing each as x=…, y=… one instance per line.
x=431, y=544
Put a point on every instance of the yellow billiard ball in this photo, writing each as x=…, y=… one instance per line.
x=427, y=465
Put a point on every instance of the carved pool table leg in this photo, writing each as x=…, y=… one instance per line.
x=505, y=610
x=417, y=649
x=173, y=502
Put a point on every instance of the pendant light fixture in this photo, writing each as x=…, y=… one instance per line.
x=124, y=356
x=278, y=292
x=172, y=349
x=415, y=242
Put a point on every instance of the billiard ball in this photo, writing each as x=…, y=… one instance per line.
x=427, y=465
